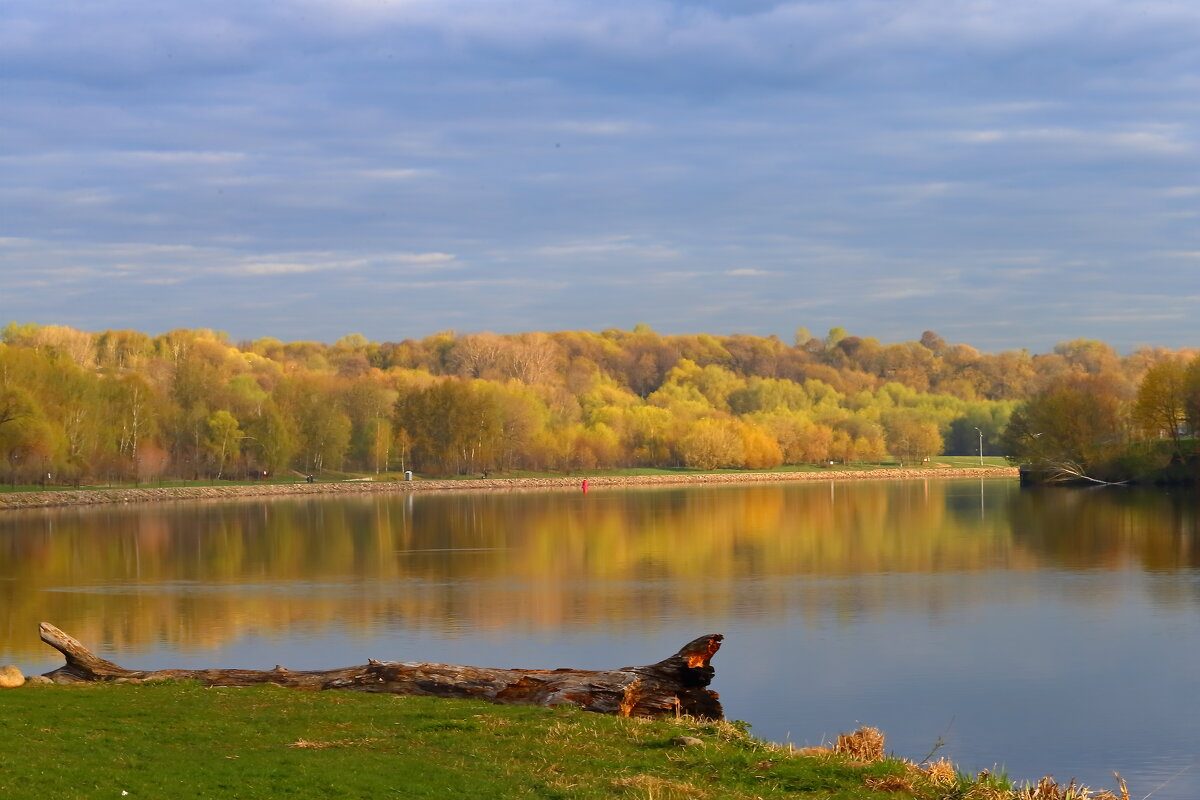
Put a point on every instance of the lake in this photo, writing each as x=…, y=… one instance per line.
x=1041, y=631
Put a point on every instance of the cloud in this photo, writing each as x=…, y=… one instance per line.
x=258, y=268
x=392, y=174
x=178, y=157
x=616, y=246
x=892, y=289
x=915, y=193
x=422, y=259
x=601, y=127
x=1162, y=140
x=884, y=165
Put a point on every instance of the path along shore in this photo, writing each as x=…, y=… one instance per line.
x=87, y=497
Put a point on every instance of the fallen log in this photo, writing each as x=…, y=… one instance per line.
x=675, y=685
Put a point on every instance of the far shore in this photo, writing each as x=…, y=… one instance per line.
x=101, y=496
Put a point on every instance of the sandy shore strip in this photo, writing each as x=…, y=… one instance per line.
x=87, y=497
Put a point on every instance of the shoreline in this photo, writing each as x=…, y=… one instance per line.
x=90, y=497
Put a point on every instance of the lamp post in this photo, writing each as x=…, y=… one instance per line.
x=980, y=446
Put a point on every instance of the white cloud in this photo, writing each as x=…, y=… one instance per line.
x=1159, y=140
x=601, y=127
x=916, y=192
x=615, y=246
x=890, y=289
x=274, y=268
x=384, y=174
x=417, y=258
x=179, y=156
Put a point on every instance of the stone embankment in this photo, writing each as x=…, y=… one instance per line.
x=97, y=496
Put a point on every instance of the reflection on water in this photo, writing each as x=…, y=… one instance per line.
x=196, y=574
x=962, y=609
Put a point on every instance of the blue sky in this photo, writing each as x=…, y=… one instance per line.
x=1009, y=174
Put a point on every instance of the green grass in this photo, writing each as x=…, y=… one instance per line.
x=337, y=477
x=187, y=741
x=972, y=461
x=965, y=462
x=147, y=484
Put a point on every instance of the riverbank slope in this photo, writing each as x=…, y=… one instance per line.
x=185, y=740
x=100, y=496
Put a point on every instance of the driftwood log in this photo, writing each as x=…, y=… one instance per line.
x=675, y=685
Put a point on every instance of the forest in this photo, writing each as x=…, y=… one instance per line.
x=79, y=407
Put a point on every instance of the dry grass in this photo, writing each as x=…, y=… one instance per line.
x=1048, y=789
x=987, y=791
x=1045, y=789
x=890, y=783
x=653, y=788
x=865, y=744
x=305, y=744
x=941, y=773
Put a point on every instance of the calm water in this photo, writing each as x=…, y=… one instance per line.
x=1048, y=632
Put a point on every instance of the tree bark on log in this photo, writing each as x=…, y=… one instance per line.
x=675, y=685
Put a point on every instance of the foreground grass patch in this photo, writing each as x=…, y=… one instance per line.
x=187, y=741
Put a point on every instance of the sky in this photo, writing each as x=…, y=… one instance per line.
x=1007, y=173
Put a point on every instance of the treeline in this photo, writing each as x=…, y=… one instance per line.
x=1097, y=426
x=81, y=406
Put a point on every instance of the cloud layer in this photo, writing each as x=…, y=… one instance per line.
x=1009, y=174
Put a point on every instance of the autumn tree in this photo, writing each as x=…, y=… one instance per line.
x=25, y=436
x=1075, y=422
x=452, y=427
x=109, y=404
x=270, y=439
x=713, y=443
x=1191, y=395
x=1160, y=407
x=909, y=437
x=16, y=404
x=222, y=440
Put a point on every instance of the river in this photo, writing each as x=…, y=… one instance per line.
x=1040, y=632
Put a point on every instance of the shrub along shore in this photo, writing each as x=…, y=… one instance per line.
x=99, y=496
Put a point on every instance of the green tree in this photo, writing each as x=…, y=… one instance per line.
x=26, y=438
x=271, y=439
x=222, y=440
x=452, y=427
x=324, y=435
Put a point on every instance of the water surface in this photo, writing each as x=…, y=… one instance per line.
x=1044, y=631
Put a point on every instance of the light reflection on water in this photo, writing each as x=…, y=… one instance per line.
x=1045, y=631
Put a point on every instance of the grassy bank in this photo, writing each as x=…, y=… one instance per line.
x=186, y=741
x=202, y=490
x=941, y=462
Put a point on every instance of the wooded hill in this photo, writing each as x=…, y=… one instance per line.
x=82, y=406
